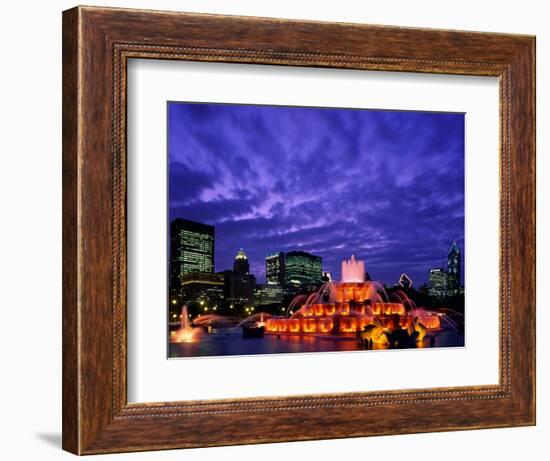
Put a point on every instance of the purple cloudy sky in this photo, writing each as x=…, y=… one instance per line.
x=387, y=186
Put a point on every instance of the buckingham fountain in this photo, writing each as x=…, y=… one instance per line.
x=355, y=306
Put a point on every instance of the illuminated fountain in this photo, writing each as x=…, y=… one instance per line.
x=258, y=320
x=190, y=330
x=210, y=320
x=186, y=333
x=254, y=325
x=354, y=306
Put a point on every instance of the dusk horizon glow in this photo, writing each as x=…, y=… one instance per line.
x=385, y=186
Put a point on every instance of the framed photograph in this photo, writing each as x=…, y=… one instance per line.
x=299, y=188
x=282, y=230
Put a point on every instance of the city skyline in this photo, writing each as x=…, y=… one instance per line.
x=447, y=267
x=385, y=186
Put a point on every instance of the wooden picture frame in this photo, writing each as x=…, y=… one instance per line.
x=97, y=43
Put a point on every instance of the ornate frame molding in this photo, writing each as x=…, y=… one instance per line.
x=98, y=43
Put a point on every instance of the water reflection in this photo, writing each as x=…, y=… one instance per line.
x=229, y=341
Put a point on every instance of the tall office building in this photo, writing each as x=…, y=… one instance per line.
x=453, y=270
x=241, y=265
x=275, y=268
x=191, y=250
x=437, y=283
x=405, y=281
x=303, y=269
x=239, y=283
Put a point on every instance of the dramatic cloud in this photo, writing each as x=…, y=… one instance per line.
x=386, y=186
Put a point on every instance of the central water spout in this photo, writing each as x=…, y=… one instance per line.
x=353, y=270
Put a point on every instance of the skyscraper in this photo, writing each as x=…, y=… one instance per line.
x=191, y=250
x=303, y=269
x=241, y=265
x=239, y=283
x=453, y=270
x=437, y=283
x=405, y=281
x=275, y=268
